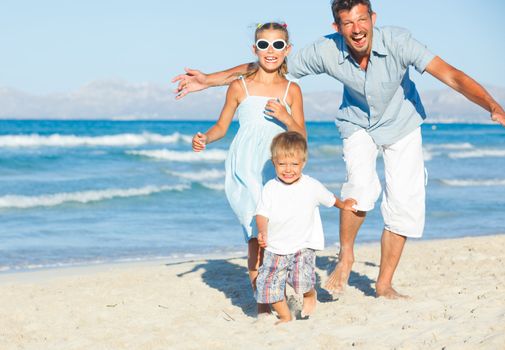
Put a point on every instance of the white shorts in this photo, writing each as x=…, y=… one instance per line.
x=403, y=201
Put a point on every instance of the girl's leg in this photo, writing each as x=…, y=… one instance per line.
x=254, y=260
x=282, y=309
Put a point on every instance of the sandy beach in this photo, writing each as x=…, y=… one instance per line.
x=457, y=290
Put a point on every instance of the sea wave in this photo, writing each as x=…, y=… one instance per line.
x=478, y=153
x=191, y=157
x=211, y=174
x=58, y=140
x=454, y=146
x=50, y=200
x=472, y=182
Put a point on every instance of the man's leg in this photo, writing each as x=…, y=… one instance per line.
x=350, y=223
x=391, y=251
x=360, y=154
x=402, y=205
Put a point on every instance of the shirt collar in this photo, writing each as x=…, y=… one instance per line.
x=377, y=46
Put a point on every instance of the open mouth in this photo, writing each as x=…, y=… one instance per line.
x=271, y=59
x=359, y=40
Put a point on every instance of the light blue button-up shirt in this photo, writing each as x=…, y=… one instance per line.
x=382, y=100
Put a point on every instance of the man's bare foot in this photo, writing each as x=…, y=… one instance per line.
x=389, y=293
x=338, y=279
x=309, y=303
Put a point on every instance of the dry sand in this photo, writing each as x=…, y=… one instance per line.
x=457, y=290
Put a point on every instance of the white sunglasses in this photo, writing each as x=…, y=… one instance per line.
x=278, y=45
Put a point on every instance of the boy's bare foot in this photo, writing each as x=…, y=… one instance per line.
x=263, y=309
x=282, y=320
x=389, y=293
x=309, y=303
x=338, y=279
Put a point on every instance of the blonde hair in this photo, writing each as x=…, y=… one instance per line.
x=283, y=69
x=289, y=143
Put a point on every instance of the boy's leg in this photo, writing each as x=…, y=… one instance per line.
x=254, y=259
x=271, y=283
x=362, y=184
x=403, y=205
x=302, y=277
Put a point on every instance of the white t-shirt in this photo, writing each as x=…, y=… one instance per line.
x=293, y=216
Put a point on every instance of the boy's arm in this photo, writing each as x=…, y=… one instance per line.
x=195, y=80
x=262, y=223
x=346, y=204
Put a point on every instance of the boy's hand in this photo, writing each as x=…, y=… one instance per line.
x=193, y=80
x=262, y=239
x=199, y=142
x=349, y=204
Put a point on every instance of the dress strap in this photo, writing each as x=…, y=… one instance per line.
x=286, y=93
x=245, y=86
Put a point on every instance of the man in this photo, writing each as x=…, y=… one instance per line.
x=380, y=109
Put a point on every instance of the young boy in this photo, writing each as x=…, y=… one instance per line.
x=289, y=227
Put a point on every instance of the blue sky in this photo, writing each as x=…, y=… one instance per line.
x=58, y=46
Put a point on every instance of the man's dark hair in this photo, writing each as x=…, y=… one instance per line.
x=339, y=5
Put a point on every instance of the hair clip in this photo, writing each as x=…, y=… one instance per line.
x=285, y=25
x=259, y=25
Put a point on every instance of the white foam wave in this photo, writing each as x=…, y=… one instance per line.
x=23, y=202
x=164, y=154
x=57, y=140
x=213, y=186
x=211, y=174
x=478, y=153
x=454, y=146
x=469, y=183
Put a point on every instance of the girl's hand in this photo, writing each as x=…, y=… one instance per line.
x=262, y=239
x=276, y=109
x=349, y=204
x=199, y=142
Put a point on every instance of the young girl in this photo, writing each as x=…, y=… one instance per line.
x=266, y=104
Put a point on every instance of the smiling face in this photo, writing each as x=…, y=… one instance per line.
x=356, y=26
x=271, y=59
x=288, y=167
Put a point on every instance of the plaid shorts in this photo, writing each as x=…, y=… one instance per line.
x=297, y=269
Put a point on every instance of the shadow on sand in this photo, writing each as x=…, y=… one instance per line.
x=230, y=279
x=356, y=280
x=233, y=281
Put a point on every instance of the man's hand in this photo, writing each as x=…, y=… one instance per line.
x=262, y=239
x=498, y=117
x=192, y=81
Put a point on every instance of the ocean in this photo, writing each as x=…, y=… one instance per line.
x=90, y=192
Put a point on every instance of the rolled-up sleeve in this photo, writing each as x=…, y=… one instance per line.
x=414, y=53
x=307, y=61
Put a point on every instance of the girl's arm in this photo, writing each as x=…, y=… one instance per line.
x=297, y=122
x=219, y=130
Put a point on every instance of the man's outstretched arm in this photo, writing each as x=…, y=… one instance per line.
x=195, y=80
x=467, y=86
